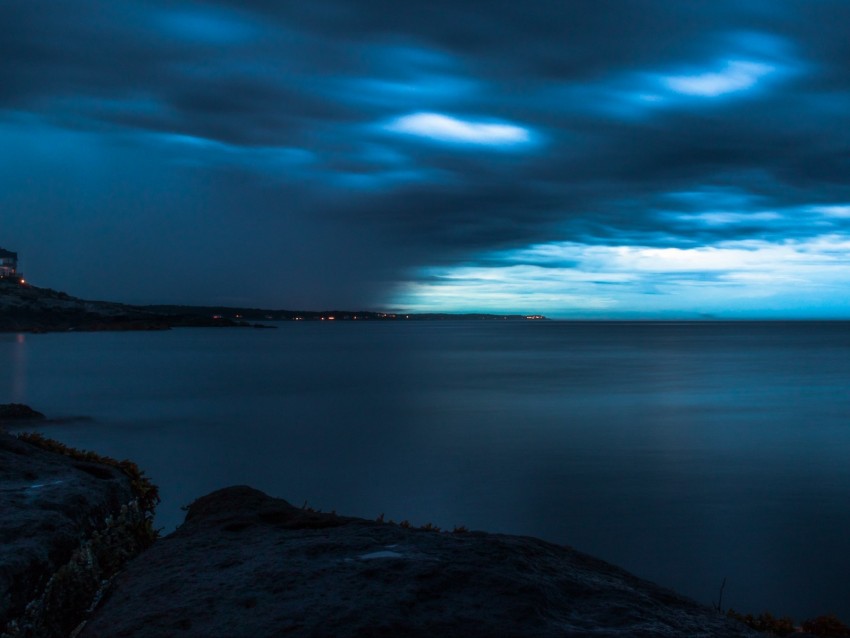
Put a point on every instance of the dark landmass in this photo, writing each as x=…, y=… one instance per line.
x=18, y=413
x=17, y=417
x=28, y=308
x=259, y=314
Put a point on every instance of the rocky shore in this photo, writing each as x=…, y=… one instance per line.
x=78, y=556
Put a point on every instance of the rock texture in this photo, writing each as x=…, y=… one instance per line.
x=66, y=524
x=245, y=564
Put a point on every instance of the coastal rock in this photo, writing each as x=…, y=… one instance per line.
x=246, y=564
x=67, y=523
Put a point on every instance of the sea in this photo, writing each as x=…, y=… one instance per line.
x=709, y=457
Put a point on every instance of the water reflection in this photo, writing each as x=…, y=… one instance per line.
x=17, y=369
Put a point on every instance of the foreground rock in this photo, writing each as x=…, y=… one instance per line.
x=67, y=523
x=245, y=564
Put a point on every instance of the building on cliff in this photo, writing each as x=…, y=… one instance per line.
x=9, y=265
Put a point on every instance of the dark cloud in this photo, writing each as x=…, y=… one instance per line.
x=270, y=131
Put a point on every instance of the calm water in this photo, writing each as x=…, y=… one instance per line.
x=684, y=452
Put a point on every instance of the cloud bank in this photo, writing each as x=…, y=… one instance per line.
x=667, y=159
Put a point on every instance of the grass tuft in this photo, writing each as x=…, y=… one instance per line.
x=828, y=626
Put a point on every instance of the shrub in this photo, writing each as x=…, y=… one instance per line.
x=827, y=625
x=765, y=622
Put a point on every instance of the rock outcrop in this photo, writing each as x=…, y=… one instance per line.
x=245, y=564
x=69, y=521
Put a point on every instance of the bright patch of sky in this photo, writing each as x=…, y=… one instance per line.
x=453, y=130
x=841, y=211
x=744, y=278
x=734, y=76
x=638, y=95
x=728, y=218
x=757, y=57
x=799, y=220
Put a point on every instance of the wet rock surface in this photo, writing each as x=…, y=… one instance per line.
x=245, y=564
x=50, y=505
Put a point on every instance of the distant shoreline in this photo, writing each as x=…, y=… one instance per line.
x=259, y=314
x=28, y=308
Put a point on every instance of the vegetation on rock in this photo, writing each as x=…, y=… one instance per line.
x=75, y=588
x=145, y=491
x=827, y=626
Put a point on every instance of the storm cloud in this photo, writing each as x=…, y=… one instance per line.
x=598, y=158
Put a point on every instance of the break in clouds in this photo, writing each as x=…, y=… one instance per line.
x=611, y=158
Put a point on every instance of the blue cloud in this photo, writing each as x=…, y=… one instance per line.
x=401, y=142
x=207, y=26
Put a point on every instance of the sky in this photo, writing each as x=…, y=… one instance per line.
x=580, y=159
